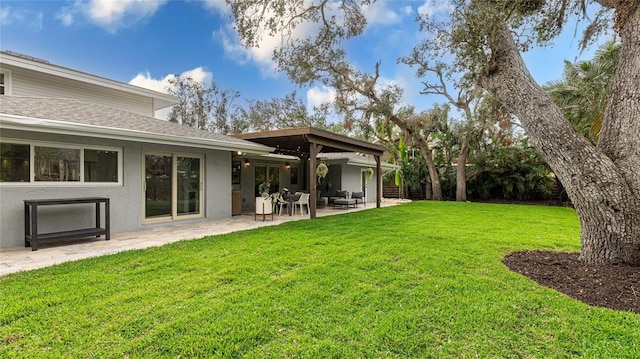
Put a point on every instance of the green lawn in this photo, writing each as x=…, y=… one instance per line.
x=418, y=280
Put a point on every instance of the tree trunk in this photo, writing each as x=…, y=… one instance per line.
x=426, y=153
x=428, y=191
x=436, y=189
x=461, y=173
x=605, y=191
x=619, y=137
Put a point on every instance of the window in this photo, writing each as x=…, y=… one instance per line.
x=100, y=166
x=5, y=82
x=58, y=163
x=53, y=164
x=14, y=159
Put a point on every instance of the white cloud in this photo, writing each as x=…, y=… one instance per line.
x=145, y=79
x=379, y=13
x=317, y=96
x=235, y=49
x=36, y=24
x=10, y=16
x=5, y=16
x=262, y=54
x=65, y=16
x=110, y=15
x=429, y=7
x=219, y=6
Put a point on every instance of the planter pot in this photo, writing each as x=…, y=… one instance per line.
x=322, y=202
x=264, y=207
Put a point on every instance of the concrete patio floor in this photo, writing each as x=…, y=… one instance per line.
x=17, y=259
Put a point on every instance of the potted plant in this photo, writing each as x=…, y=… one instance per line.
x=368, y=174
x=263, y=189
x=264, y=203
x=321, y=172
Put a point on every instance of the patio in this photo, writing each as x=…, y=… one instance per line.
x=17, y=259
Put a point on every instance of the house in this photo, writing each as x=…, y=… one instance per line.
x=69, y=134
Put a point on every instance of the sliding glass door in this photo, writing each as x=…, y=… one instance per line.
x=188, y=191
x=158, y=179
x=173, y=186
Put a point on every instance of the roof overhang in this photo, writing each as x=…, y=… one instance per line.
x=31, y=124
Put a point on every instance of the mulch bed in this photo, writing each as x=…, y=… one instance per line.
x=610, y=286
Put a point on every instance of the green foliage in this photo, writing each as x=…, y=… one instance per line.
x=403, y=151
x=516, y=171
x=367, y=284
x=322, y=170
x=206, y=107
x=368, y=174
x=583, y=91
x=282, y=113
x=264, y=187
x=467, y=31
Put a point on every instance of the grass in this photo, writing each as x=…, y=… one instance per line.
x=418, y=280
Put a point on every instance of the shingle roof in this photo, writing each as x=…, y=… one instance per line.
x=99, y=118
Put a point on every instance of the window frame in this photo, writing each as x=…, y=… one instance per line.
x=7, y=82
x=33, y=183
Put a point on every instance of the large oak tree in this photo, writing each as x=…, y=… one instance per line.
x=602, y=180
x=487, y=38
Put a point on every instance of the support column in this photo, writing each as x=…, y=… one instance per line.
x=303, y=173
x=378, y=181
x=314, y=150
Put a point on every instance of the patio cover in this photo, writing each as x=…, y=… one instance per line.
x=307, y=142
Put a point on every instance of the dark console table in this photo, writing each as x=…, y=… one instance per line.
x=32, y=237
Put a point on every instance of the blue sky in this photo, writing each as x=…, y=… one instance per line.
x=143, y=42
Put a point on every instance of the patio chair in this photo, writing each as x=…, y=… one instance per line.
x=303, y=201
x=359, y=197
x=282, y=203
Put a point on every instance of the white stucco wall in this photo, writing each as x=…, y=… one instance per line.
x=126, y=199
x=351, y=180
